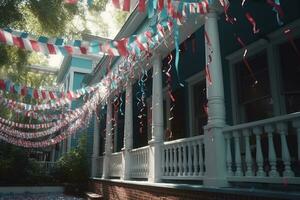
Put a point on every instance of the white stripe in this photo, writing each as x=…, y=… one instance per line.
x=27, y=44
x=43, y=48
x=8, y=37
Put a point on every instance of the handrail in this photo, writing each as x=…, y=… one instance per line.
x=262, y=122
x=184, y=140
x=139, y=149
x=116, y=153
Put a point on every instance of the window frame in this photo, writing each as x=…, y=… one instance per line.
x=271, y=46
x=192, y=81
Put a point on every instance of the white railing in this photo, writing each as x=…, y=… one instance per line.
x=139, y=162
x=264, y=151
x=47, y=166
x=99, y=166
x=115, y=167
x=184, y=158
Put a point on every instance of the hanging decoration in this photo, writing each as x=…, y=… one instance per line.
x=252, y=22
x=28, y=126
x=81, y=121
x=278, y=10
x=209, y=58
x=22, y=90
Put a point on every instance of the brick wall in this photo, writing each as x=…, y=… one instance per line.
x=124, y=191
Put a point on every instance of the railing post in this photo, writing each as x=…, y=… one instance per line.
x=215, y=159
x=296, y=124
x=108, y=141
x=155, y=151
x=237, y=155
x=95, y=146
x=128, y=128
x=259, y=155
x=286, y=158
x=271, y=151
x=248, y=156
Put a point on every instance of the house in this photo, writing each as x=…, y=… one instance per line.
x=226, y=127
x=71, y=74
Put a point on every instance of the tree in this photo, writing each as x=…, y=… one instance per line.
x=40, y=17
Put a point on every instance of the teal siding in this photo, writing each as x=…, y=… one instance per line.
x=81, y=63
x=77, y=81
x=266, y=21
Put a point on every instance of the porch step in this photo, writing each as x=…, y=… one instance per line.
x=93, y=196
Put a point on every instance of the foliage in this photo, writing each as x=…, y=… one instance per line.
x=17, y=169
x=72, y=167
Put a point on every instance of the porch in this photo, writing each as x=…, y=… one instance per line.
x=265, y=151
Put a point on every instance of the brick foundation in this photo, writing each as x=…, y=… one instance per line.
x=128, y=191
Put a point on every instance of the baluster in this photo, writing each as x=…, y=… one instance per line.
x=228, y=155
x=259, y=156
x=139, y=163
x=147, y=163
x=144, y=163
x=195, y=158
x=272, y=154
x=180, y=160
x=190, y=163
x=237, y=150
x=175, y=160
x=248, y=157
x=171, y=160
x=167, y=161
x=184, y=160
x=296, y=124
x=201, y=166
x=282, y=129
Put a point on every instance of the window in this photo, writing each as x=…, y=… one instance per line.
x=276, y=66
x=254, y=99
x=290, y=70
x=197, y=104
x=199, y=115
x=174, y=114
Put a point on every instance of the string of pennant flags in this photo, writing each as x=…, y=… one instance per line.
x=40, y=94
x=24, y=138
x=132, y=48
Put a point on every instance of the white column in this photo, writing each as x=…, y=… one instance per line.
x=214, y=139
x=69, y=143
x=128, y=134
x=156, y=142
x=108, y=141
x=95, y=146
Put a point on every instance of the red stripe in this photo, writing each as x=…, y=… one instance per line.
x=69, y=49
x=44, y=94
x=2, y=37
x=160, y=5
x=35, y=45
x=18, y=42
x=140, y=45
x=83, y=50
x=24, y=91
x=35, y=94
x=51, y=95
x=206, y=6
x=2, y=84
x=126, y=5
x=142, y=5
x=51, y=49
x=116, y=3
x=201, y=8
x=121, y=45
